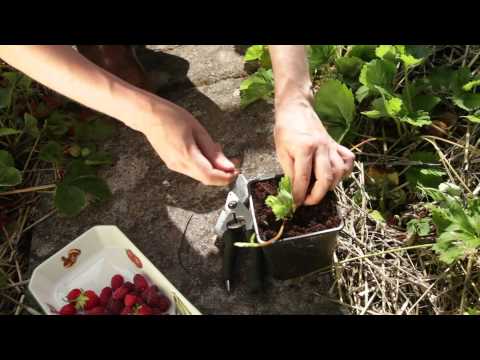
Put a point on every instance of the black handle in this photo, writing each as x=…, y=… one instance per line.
x=255, y=272
x=235, y=233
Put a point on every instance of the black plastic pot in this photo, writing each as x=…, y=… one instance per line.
x=297, y=256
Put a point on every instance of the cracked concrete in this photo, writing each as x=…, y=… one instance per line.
x=152, y=204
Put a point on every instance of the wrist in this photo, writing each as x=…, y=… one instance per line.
x=293, y=92
x=138, y=109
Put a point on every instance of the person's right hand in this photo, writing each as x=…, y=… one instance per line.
x=186, y=147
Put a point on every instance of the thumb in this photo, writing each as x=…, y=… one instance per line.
x=213, y=151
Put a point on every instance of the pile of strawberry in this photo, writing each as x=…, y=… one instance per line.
x=121, y=298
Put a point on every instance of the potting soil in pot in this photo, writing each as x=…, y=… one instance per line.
x=307, y=219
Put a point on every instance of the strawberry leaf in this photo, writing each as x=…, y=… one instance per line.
x=282, y=204
x=378, y=73
x=258, y=86
x=92, y=185
x=420, y=227
x=364, y=52
x=335, y=106
x=319, y=55
x=69, y=200
x=31, y=125
x=349, y=67
x=51, y=152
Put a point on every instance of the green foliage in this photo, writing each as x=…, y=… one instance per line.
x=420, y=227
x=427, y=175
x=335, y=106
x=259, y=53
x=256, y=87
x=457, y=224
x=282, y=204
x=57, y=137
x=319, y=55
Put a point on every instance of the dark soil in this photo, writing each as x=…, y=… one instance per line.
x=307, y=219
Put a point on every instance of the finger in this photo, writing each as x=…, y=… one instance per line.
x=213, y=151
x=286, y=161
x=348, y=157
x=337, y=165
x=302, y=167
x=203, y=171
x=324, y=178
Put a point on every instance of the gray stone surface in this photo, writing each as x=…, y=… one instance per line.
x=152, y=205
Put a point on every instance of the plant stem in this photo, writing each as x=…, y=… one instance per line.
x=265, y=243
x=467, y=279
x=30, y=189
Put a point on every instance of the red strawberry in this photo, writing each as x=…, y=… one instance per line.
x=144, y=310
x=115, y=306
x=161, y=302
x=105, y=295
x=117, y=281
x=92, y=300
x=73, y=295
x=127, y=310
x=68, y=309
x=98, y=310
x=129, y=286
x=120, y=293
x=140, y=282
x=157, y=311
x=130, y=300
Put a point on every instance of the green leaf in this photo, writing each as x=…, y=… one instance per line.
x=31, y=125
x=386, y=52
x=319, y=55
x=349, y=66
x=420, y=227
x=99, y=158
x=9, y=176
x=259, y=53
x=419, y=118
x=282, y=204
x=440, y=218
x=378, y=73
x=472, y=118
x=362, y=93
x=6, y=158
x=425, y=156
x=52, y=152
x=394, y=106
x=285, y=184
x=377, y=216
x=256, y=87
x=470, y=85
x=69, y=200
x=364, y=52
x=101, y=129
x=8, y=131
x=442, y=78
x=6, y=94
x=426, y=177
x=57, y=124
x=254, y=52
x=335, y=105
x=77, y=168
x=425, y=102
x=467, y=101
x=92, y=185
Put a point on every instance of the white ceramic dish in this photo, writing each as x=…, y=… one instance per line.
x=90, y=261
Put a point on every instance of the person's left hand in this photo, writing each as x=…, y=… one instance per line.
x=304, y=147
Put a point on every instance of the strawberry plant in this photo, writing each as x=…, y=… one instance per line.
x=457, y=223
x=48, y=145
